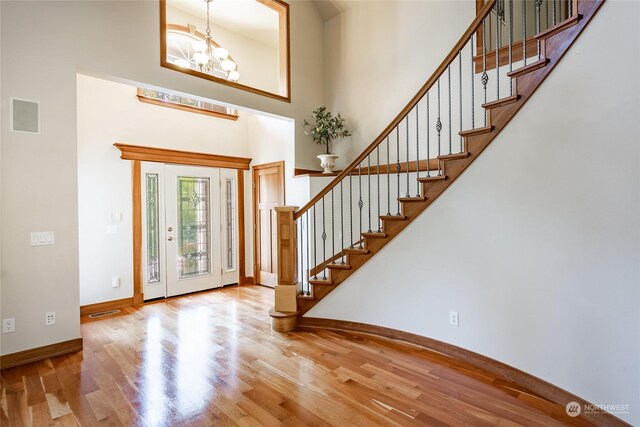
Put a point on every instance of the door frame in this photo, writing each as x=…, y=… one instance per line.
x=254, y=207
x=139, y=154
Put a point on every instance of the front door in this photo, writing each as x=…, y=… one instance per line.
x=268, y=185
x=185, y=247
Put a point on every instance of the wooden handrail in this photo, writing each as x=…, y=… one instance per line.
x=418, y=96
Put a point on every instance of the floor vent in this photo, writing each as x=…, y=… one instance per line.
x=104, y=313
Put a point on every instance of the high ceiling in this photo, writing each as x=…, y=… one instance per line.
x=247, y=17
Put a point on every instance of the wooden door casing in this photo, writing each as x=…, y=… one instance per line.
x=268, y=193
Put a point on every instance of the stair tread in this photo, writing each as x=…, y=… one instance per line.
x=380, y=235
x=393, y=217
x=502, y=101
x=320, y=282
x=355, y=251
x=455, y=156
x=339, y=266
x=560, y=26
x=412, y=199
x=476, y=131
x=528, y=68
x=432, y=178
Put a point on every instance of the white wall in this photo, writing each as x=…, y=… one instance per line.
x=379, y=54
x=537, y=245
x=110, y=112
x=39, y=173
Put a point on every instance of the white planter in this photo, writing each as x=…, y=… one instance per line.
x=327, y=162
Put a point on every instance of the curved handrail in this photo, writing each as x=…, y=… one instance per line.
x=473, y=27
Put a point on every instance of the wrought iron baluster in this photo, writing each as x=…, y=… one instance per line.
x=333, y=233
x=449, y=84
x=324, y=243
x=315, y=244
x=428, y=131
x=569, y=9
x=439, y=128
x=369, y=188
x=341, y=219
x=473, y=89
x=308, y=257
x=524, y=32
x=460, y=92
x=388, y=179
x=408, y=165
x=398, y=164
x=484, y=79
x=360, y=204
x=553, y=11
x=497, y=54
x=510, y=43
x=378, y=177
x=418, y=149
x=538, y=5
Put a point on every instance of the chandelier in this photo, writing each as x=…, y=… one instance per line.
x=206, y=56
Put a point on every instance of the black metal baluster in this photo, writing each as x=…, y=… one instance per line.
x=449, y=84
x=408, y=165
x=510, y=43
x=524, y=32
x=428, y=141
x=341, y=219
x=439, y=128
x=473, y=89
x=484, y=79
x=418, y=150
x=315, y=244
x=378, y=176
x=388, y=179
x=333, y=233
x=460, y=84
x=369, y=188
x=497, y=54
x=308, y=257
x=398, y=164
x=538, y=5
x=324, y=243
x=569, y=9
x=360, y=204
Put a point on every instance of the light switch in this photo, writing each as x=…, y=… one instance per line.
x=112, y=229
x=41, y=238
x=115, y=216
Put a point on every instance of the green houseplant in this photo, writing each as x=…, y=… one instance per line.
x=326, y=128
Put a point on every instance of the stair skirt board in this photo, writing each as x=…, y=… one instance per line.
x=530, y=384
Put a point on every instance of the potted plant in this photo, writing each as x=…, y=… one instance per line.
x=324, y=130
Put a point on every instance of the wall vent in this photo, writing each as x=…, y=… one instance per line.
x=25, y=116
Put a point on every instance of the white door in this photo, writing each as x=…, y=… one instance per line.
x=189, y=232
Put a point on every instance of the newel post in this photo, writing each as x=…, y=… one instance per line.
x=285, y=312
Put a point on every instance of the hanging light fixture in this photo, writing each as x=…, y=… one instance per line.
x=206, y=55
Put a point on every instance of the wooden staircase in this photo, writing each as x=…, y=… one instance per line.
x=554, y=43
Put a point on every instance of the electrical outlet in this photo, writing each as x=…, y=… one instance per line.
x=115, y=282
x=51, y=318
x=453, y=318
x=8, y=325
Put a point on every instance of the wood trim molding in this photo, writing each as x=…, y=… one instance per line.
x=538, y=387
x=284, y=59
x=179, y=157
x=187, y=108
x=136, y=200
x=40, y=353
x=99, y=307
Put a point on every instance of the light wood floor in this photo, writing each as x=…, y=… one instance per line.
x=211, y=358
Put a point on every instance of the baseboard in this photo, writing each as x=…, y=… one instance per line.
x=105, y=306
x=247, y=280
x=534, y=385
x=40, y=353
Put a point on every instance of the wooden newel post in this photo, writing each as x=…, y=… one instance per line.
x=285, y=312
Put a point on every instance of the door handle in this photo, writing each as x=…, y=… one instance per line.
x=169, y=238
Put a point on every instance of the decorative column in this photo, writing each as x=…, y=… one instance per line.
x=285, y=312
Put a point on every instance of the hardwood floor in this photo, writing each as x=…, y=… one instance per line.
x=211, y=358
